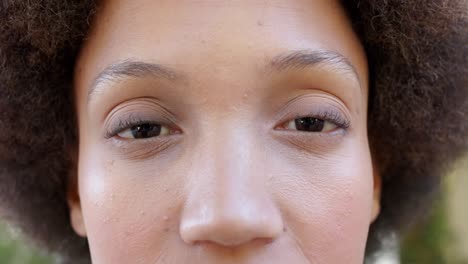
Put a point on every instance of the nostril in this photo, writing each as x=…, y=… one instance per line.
x=230, y=231
x=257, y=242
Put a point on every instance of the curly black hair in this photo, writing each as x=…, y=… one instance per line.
x=417, y=118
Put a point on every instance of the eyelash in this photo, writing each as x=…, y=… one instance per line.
x=330, y=116
x=326, y=115
x=126, y=124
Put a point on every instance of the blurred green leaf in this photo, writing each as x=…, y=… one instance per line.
x=14, y=251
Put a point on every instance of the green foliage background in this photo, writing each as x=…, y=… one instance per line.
x=14, y=251
x=430, y=242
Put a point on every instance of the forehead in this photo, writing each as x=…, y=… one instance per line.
x=229, y=37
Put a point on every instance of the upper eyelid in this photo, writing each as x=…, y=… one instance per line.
x=285, y=113
x=159, y=113
x=319, y=93
x=165, y=117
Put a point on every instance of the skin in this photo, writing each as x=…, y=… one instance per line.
x=233, y=180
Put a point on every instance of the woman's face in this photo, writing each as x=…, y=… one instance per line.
x=223, y=132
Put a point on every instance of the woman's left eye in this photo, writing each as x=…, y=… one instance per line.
x=144, y=131
x=310, y=124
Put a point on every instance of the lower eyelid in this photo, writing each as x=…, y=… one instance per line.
x=145, y=152
x=140, y=149
x=311, y=142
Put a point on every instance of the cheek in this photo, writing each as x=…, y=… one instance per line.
x=132, y=209
x=327, y=203
x=128, y=207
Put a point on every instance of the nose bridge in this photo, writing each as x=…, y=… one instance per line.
x=235, y=155
x=229, y=204
x=229, y=151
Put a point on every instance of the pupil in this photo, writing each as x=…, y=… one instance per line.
x=309, y=124
x=146, y=130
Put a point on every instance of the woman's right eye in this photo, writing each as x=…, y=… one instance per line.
x=143, y=131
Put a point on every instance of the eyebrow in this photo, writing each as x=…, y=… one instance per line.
x=314, y=58
x=288, y=61
x=133, y=68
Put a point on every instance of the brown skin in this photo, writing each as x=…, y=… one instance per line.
x=232, y=180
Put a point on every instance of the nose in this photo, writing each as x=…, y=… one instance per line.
x=229, y=203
